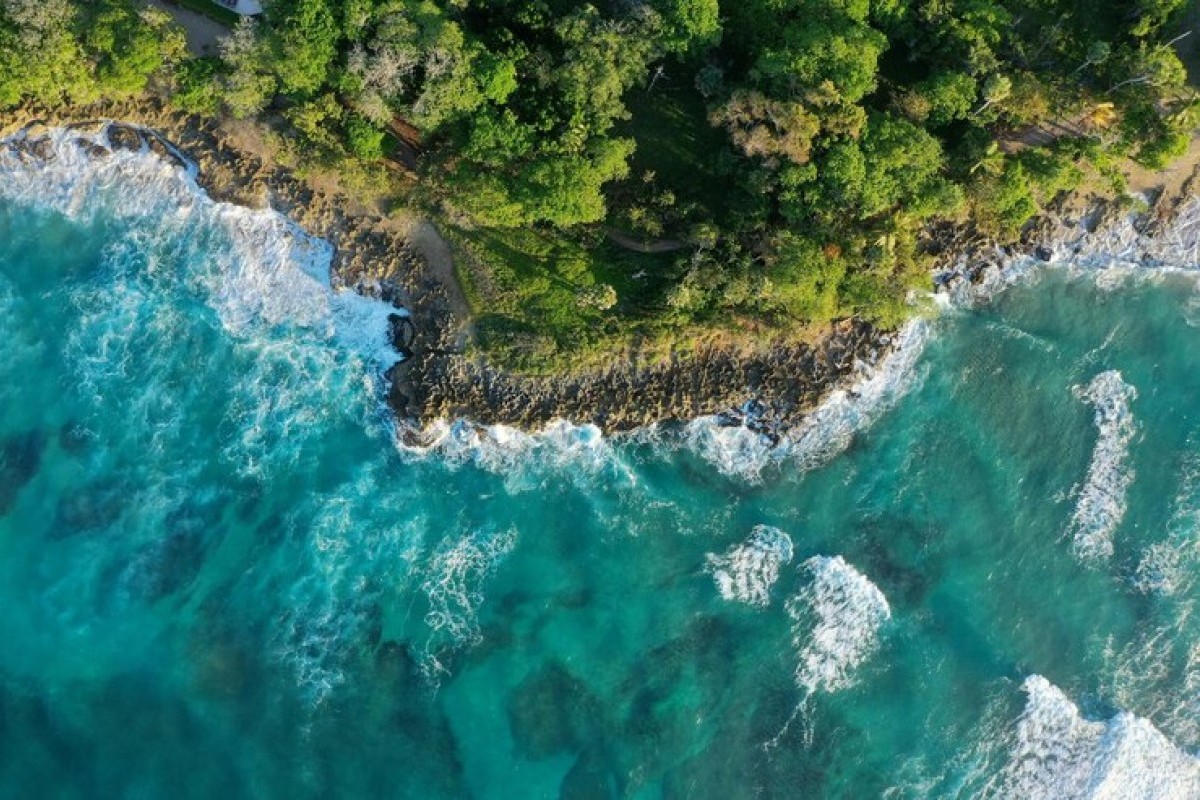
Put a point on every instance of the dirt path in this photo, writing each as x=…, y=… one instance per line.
x=202, y=33
x=423, y=237
x=655, y=246
x=1170, y=180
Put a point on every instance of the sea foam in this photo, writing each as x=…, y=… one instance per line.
x=829, y=429
x=1169, y=566
x=1174, y=246
x=456, y=573
x=1056, y=753
x=746, y=572
x=1124, y=248
x=1101, y=503
x=836, y=622
x=525, y=460
x=262, y=269
x=354, y=544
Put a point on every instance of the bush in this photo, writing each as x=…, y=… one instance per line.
x=363, y=140
x=196, y=87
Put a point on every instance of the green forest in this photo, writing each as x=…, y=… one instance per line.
x=640, y=170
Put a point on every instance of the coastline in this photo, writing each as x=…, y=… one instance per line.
x=408, y=266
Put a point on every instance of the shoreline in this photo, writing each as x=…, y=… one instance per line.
x=375, y=256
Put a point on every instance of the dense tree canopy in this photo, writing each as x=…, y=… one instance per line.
x=795, y=146
x=57, y=50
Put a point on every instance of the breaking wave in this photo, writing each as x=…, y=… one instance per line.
x=255, y=267
x=1174, y=246
x=214, y=329
x=1126, y=249
x=525, y=460
x=746, y=572
x=1056, y=753
x=1101, y=504
x=829, y=429
x=836, y=620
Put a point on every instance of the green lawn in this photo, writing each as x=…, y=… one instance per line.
x=525, y=288
x=676, y=142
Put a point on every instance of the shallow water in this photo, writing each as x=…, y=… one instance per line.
x=219, y=574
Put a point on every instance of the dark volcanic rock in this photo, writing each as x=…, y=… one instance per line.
x=124, y=137
x=788, y=379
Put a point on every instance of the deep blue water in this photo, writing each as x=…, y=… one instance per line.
x=221, y=576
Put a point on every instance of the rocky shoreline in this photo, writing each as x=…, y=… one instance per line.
x=439, y=380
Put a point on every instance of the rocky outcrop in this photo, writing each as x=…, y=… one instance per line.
x=440, y=379
x=789, y=379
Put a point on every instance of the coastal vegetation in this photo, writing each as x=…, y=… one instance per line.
x=633, y=171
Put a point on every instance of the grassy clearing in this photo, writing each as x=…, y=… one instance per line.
x=532, y=294
x=528, y=288
x=676, y=143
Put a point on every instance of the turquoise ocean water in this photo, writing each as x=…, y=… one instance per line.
x=973, y=575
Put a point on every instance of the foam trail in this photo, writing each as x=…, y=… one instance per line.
x=836, y=620
x=1101, y=504
x=829, y=429
x=746, y=572
x=1057, y=754
x=345, y=565
x=456, y=574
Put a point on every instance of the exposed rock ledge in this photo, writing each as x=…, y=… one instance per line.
x=375, y=255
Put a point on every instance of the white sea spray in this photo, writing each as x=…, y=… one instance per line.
x=1169, y=566
x=1129, y=245
x=267, y=281
x=828, y=430
x=525, y=460
x=347, y=566
x=1158, y=669
x=1100, y=506
x=1057, y=754
x=836, y=622
x=746, y=572
x=294, y=341
x=261, y=268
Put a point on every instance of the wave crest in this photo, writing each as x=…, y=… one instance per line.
x=525, y=460
x=836, y=620
x=1057, y=753
x=829, y=429
x=1101, y=504
x=255, y=267
x=746, y=572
